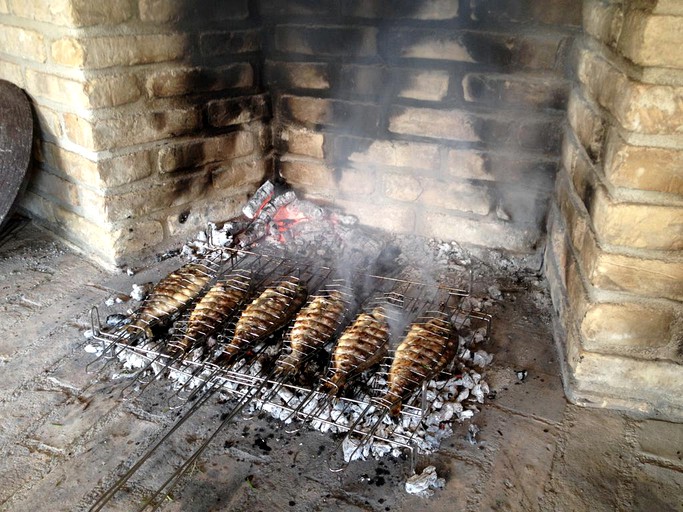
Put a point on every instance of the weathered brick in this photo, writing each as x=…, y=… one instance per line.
x=642, y=226
x=414, y=155
x=76, y=167
x=603, y=20
x=553, y=12
x=363, y=80
x=173, y=11
x=422, y=84
x=588, y=125
x=309, y=174
x=447, y=124
x=650, y=387
x=57, y=12
x=450, y=195
x=84, y=232
x=331, y=40
x=38, y=206
x=337, y=113
x=638, y=107
x=136, y=237
x=126, y=168
x=109, y=51
x=12, y=73
x=49, y=123
x=278, y=8
x=4, y=7
x=395, y=219
x=501, y=167
x=652, y=40
x=196, y=153
x=233, y=111
x=304, y=142
x=23, y=43
x=103, y=91
x=241, y=173
x=536, y=92
x=223, y=44
x=630, y=325
x=111, y=12
x=402, y=187
x=218, y=208
x=505, y=51
x=661, y=439
x=298, y=75
x=650, y=277
x=182, y=81
x=82, y=200
x=135, y=129
x=423, y=10
x=579, y=169
x=481, y=232
x=673, y=7
x=642, y=167
x=357, y=182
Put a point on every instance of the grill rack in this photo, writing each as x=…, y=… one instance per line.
x=246, y=383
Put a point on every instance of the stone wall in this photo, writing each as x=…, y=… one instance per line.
x=151, y=117
x=614, y=258
x=435, y=117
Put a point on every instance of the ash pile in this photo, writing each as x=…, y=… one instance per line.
x=265, y=317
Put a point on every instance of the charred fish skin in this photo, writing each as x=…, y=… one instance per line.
x=269, y=312
x=171, y=295
x=361, y=346
x=212, y=311
x=313, y=328
x=425, y=351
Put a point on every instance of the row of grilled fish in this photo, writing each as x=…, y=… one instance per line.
x=423, y=353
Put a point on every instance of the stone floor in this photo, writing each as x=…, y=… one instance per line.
x=65, y=434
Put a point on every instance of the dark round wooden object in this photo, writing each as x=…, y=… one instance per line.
x=16, y=136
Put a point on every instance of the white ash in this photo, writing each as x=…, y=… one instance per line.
x=423, y=484
x=140, y=291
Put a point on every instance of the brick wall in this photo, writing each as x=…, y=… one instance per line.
x=151, y=116
x=616, y=226
x=435, y=117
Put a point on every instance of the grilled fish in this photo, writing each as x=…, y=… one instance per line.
x=268, y=313
x=362, y=345
x=314, y=326
x=212, y=311
x=425, y=351
x=171, y=295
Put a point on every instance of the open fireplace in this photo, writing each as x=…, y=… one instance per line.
x=545, y=132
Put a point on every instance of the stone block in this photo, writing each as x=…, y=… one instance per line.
x=356, y=182
x=173, y=11
x=534, y=92
x=638, y=107
x=223, y=44
x=652, y=40
x=642, y=167
x=56, y=12
x=588, y=125
x=363, y=80
x=603, y=20
x=449, y=124
x=303, y=142
x=501, y=167
x=234, y=111
x=73, y=165
x=298, y=75
x=422, y=84
x=126, y=168
x=403, y=9
x=309, y=174
x=103, y=91
x=392, y=218
x=111, y=12
x=642, y=226
x=455, y=196
x=360, y=117
x=181, y=81
x=643, y=276
x=413, y=155
x=136, y=237
x=23, y=43
x=12, y=73
x=38, y=206
x=326, y=41
x=127, y=131
x=240, y=173
x=508, y=52
x=197, y=153
x=552, y=12
x=402, y=187
x=109, y=51
x=49, y=122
